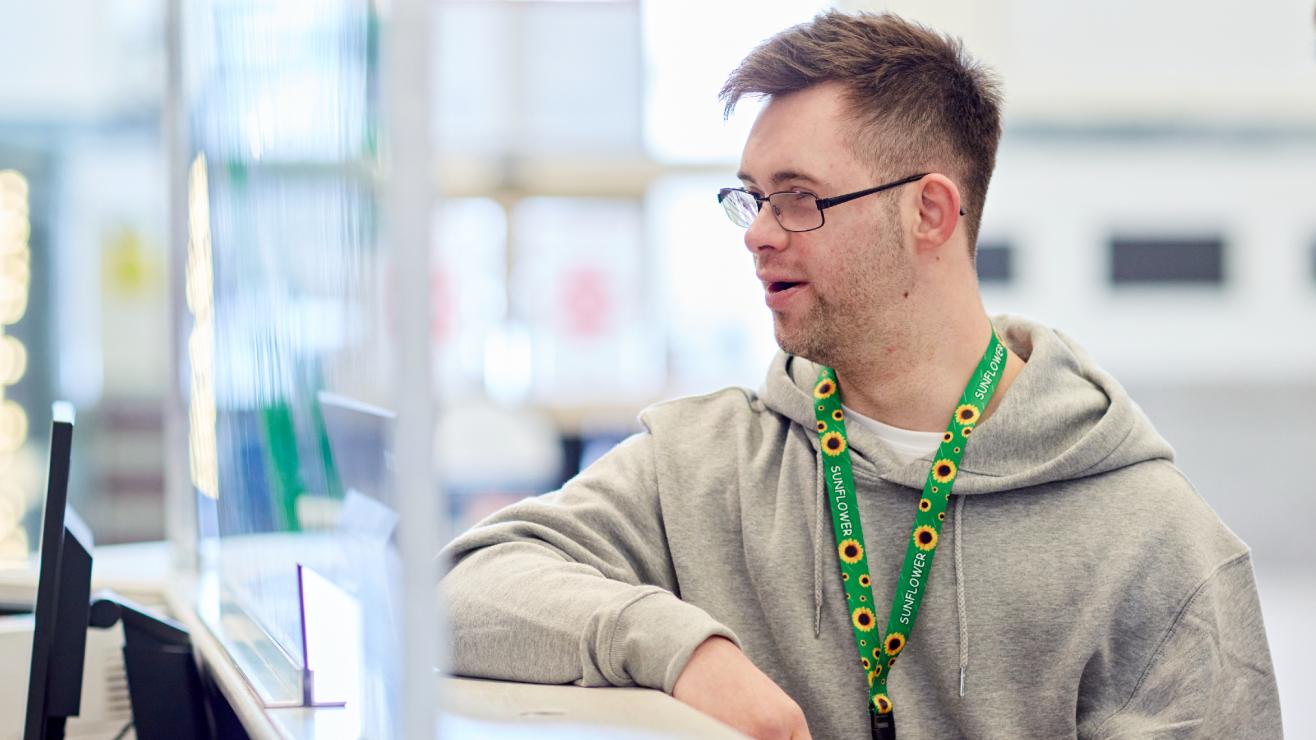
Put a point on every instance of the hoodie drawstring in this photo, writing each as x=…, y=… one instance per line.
x=959, y=590
x=818, y=551
x=960, y=607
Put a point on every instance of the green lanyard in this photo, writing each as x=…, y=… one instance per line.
x=878, y=655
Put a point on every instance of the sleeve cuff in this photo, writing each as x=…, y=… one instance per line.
x=654, y=634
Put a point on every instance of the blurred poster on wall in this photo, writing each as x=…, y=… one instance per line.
x=580, y=287
x=469, y=290
x=719, y=329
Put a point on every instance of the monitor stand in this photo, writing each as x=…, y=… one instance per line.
x=163, y=682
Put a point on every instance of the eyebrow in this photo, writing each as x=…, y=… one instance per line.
x=780, y=176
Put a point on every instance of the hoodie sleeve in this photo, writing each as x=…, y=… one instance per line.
x=1211, y=675
x=576, y=586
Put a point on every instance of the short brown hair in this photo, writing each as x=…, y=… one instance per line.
x=918, y=99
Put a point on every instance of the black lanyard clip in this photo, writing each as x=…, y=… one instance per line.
x=883, y=726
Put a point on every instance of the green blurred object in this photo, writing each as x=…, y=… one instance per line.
x=281, y=452
x=333, y=483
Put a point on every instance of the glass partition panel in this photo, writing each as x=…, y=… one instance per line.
x=292, y=284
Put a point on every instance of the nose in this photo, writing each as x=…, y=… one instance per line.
x=765, y=232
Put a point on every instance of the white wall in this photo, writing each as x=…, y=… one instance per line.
x=1060, y=202
x=1118, y=60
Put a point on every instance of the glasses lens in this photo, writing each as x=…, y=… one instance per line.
x=797, y=211
x=740, y=206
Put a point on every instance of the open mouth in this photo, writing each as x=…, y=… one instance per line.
x=779, y=286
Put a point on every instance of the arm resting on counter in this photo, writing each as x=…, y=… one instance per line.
x=576, y=586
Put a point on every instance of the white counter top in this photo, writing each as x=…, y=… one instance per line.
x=472, y=708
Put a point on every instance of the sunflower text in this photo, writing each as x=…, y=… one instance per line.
x=915, y=583
x=992, y=369
x=842, y=508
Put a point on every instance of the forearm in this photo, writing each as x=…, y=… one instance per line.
x=519, y=611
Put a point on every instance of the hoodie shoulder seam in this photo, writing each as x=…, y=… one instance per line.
x=1172, y=630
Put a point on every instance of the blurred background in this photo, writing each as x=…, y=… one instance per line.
x=1154, y=198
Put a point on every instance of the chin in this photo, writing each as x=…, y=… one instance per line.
x=813, y=337
x=797, y=343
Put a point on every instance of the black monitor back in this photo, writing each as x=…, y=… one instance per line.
x=59, y=638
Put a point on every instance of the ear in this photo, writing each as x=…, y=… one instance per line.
x=938, y=202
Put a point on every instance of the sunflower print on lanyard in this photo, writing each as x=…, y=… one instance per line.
x=921, y=546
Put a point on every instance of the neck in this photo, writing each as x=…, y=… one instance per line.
x=915, y=384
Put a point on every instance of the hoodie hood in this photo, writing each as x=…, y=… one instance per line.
x=1062, y=418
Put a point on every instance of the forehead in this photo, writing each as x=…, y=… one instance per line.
x=807, y=132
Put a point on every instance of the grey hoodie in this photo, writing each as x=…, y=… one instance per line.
x=1081, y=586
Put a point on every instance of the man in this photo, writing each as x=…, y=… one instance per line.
x=768, y=558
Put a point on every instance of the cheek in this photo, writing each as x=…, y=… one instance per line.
x=849, y=261
x=868, y=269
x=852, y=250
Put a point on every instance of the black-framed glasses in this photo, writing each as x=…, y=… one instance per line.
x=795, y=210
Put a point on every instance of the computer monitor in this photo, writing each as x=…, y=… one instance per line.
x=168, y=700
x=59, y=639
x=360, y=438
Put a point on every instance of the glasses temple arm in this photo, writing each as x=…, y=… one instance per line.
x=825, y=203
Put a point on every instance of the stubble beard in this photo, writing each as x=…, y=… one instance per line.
x=847, y=327
x=814, y=335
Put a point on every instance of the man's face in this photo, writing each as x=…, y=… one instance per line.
x=836, y=288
